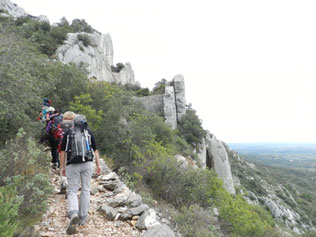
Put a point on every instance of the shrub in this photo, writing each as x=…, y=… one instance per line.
x=86, y=40
x=24, y=165
x=142, y=92
x=82, y=105
x=9, y=206
x=245, y=220
x=118, y=67
x=159, y=87
x=190, y=128
x=196, y=222
x=80, y=25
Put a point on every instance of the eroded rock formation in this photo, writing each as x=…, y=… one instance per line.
x=213, y=155
x=15, y=11
x=97, y=56
x=171, y=105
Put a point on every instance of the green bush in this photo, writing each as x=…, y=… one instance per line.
x=80, y=25
x=245, y=220
x=196, y=222
x=9, y=206
x=118, y=67
x=86, y=40
x=142, y=92
x=82, y=106
x=159, y=87
x=190, y=128
x=24, y=165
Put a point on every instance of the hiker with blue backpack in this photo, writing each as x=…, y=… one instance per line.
x=80, y=146
x=47, y=110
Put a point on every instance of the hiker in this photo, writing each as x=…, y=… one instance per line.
x=63, y=128
x=46, y=110
x=51, y=129
x=79, y=143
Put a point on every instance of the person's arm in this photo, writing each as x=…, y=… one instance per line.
x=62, y=156
x=97, y=162
x=62, y=163
x=96, y=154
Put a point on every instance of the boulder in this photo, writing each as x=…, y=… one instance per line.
x=147, y=220
x=133, y=200
x=159, y=231
x=109, y=212
x=136, y=211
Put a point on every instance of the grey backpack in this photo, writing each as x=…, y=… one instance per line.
x=78, y=146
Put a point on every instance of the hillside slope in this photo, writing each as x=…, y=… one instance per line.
x=134, y=140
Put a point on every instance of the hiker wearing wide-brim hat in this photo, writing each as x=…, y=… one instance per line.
x=79, y=143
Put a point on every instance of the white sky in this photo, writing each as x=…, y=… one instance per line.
x=249, y=65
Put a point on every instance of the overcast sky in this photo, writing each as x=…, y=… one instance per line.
x=249, y=66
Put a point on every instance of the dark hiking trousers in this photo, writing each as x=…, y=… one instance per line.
x=54, y=145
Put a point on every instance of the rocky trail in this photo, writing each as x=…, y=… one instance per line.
x=55, y=221
x=114, y=211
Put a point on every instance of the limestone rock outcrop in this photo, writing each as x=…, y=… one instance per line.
x=217, y=153
x=213, y=154
x=15, y=11
x=154, y=103
x=97, y=56
x=171, y=105
x=170, y=108
x=179, y=90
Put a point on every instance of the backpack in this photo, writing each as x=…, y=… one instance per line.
x=53, y=129
x=78, y=146
x=63, y=128
x=44, y=112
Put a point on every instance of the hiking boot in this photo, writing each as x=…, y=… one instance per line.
x=71, y=228
x=83, y=220
x=55, y=165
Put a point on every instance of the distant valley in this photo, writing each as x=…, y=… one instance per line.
x=297, y=156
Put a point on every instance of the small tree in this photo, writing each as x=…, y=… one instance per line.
x=9, y=205
x=160, y=87
x=83, y=106
x=190, y=128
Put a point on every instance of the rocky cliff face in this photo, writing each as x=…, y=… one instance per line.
x=15, y=11
x=97, y=56
x=214, y=156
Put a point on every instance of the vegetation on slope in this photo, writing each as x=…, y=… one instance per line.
x=130, y=136
x=297, y=189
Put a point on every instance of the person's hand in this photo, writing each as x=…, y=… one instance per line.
x=98, y=170
x=63, y=171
